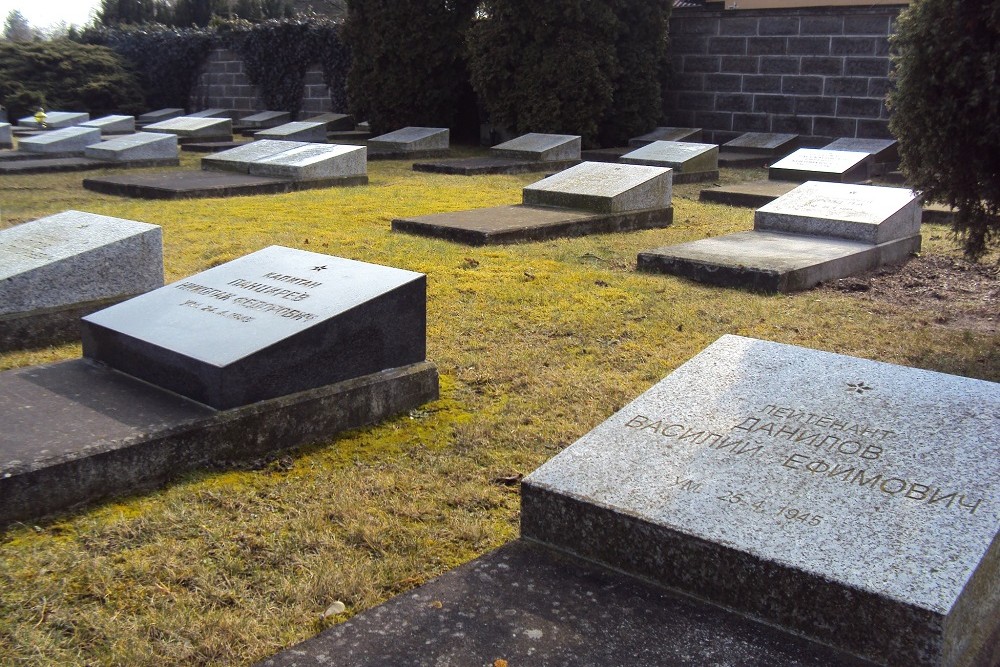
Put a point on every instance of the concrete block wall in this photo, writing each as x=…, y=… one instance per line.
x=223, y=84
x=819, y=72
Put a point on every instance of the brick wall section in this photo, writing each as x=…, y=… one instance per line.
x=819, y=72
x=223, y=84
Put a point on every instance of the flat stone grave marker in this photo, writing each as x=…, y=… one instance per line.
x=880, y=150
x=411, y=140
x=231, y=114
x=240, y=158
x=851, y=501
x=265, y=119
x=762, y=143
x=57, y=268
x=811, y=164
x=271, y=323
x=333, y=121
x=307, y=131
x=188, y=127
x=666, y=134
x=115, y=124
x=160, y=114
x=536, y=146
x=138, y=147
x=66, y=140
x=6, y=136
x=602, y=188
x=56, y=119
x=314, y=162
x=689, y=161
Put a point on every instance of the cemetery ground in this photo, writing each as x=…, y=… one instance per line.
x=536, y=344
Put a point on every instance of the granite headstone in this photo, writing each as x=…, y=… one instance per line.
x=313, y=162
x=603, y=187
x=115, y=124
x=6, y=135
x=67, y=140
x=412, y=139
x=541, y=147
x=762, y=143
x=312, y=132
x=56, y=119
x=138, y=147
x=264, y=119
x=666, y=134
x=811, y=164
x=683, y=157
x=194, y=127
x=880, y=150
x=159, y=114
x=240, y=158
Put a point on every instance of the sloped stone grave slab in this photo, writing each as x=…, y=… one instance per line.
x=263, y=119
x=816, y=232
x=240, y=157
x=115, y=124
x=812, y=164
x=756, y=149
x=273, y=350
x=64, y=142
x=159, y=114
x=6, y=136
x=333, y=121
x=850, y=501
x=527, y=153
x=409, y=142
x=315, y=162
x=141, y=147
x=586, y=199
x=880, y=150
x=194, y=128
x=690, y=162
x=231, y=114
x=666, y=134
x=749, y=194
x=60, y=267
x=55, y=120
x=313, y=132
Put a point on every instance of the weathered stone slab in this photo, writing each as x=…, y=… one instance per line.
x=6, y=136
x=264, y=119
x=477, y=166
x=333, y=121
x=683, y=157
x=314, y=162
x=666, y=134
x=544, y=147
x=312, y=132
x=601, y=187
x=763, y=143
x=231, y=114
x=56, y=165
x=141, y=146
x=880, y=150
x=851, y=501
x=812, y=164
x=71, y=260
x=866, y=213
x=66, y=140
x=115, y=124
x=274, y=322
x=191, y=127
x=159, y=114
x=240, y=158
x=412, y=139
x=56, y=119
x=206, y=183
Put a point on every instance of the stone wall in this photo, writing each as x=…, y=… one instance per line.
x=818, y=72
x=223, y=84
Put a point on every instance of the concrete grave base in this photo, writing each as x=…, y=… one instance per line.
x=55, y=165
x=210, y=146
x=773, y=261
x=76, y=432
x=390, y=154
x=196, y=184
x=474, y=166
x=604, y=154
x=530, y=605
x=735, y=160
x=509, y=224
x=749, y=194
x=48, y=326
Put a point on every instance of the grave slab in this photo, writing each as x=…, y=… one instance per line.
x=78, y=432
x=206, y=183
x=55, y=165
x=604, y=154
x=66, y=140
x=314, y=162
x=687, y=159
x=231, y=114
x=666, y=134
x=812, y=164
x=141, y=146
x=600, y=187
x=312, y=132
x=158, y=115
x=850, y=501
x=749, y=194
x=274, y=322
x=241, y=157
x=477, y=166
x=57, y=268
x=6, y=136
x=409, y=140
x=770, y=144
x=195, y=128
x=114, y=124
x=880, y=150
x=543, y=147
x=190, y=146
x=265, y=119
x=55, y=120
x=866, y=213
x=333, y=121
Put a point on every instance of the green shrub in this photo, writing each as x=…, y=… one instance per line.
x=946, y=110
x=407, y=64
x=62, y=74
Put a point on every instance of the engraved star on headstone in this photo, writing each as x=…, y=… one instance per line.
x=319, y=268
x=858, y=387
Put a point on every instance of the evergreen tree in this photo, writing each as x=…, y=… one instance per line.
x=16, y=28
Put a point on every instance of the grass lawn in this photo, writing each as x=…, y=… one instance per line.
x=536, y=344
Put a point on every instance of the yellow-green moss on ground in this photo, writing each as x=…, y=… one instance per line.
x=536, y=343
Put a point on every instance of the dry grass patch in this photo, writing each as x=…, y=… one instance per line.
x=536, y=344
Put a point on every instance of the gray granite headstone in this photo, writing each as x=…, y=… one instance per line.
x=265, y=119
x=112, y=124
x=866, y=213
x=66, y=140
x=333, y=121
x=313, y=162
x=685, y=158
x=192, y=127
x=881, y=150
x=412, y=139
x=135, y=147
x=215, y=113
x=6, y=135
x=543, y=147
x=272, y=323
x=812, y=164
x=73, y=257
x=160, y=114
x=241, y=157
x=307, y=131
x=666, y=134
x=851, y=501
x=603, y=187
x=56, y=119
x=762, y=143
